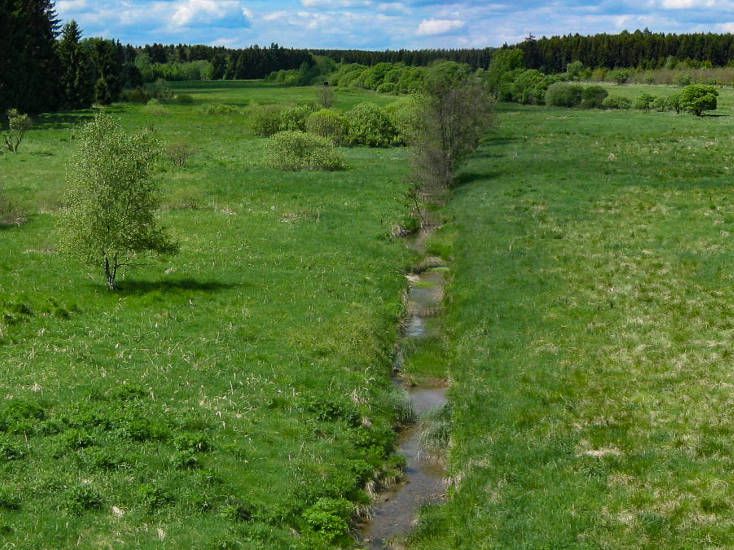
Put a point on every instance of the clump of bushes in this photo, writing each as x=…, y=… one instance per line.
x=404, y=114
x=644, y=102
x=698, y=98
x=592, y=97
x=329, y=124
x=564, y=94
x=616, y=102
x=294, y=118
x=135, y=95
x=369, y=125
x=265, y=120
x=296, y=150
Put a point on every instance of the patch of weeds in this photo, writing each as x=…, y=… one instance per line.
x=192, y=442
x=235, y=509
x=153, y=498
x=75, y=440
x=185, y=460
x=332, y=410
x=9, y=502
x=329, y=519
x=103, y=459
x=83, y=498
x=20, y=412
x=10, y=450
x=436, y=431
x=144, y=429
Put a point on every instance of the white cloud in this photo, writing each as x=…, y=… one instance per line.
x=275, y=15
x=433, y=27
x=205, y=11
x=71, y=5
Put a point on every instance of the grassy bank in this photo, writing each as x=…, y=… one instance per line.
x=222, y=395
x=590, y=322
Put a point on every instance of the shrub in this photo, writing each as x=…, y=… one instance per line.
x=325, y=96
x=404, y=114
x=84, y=497
x=294, y=150
x=684, y=79
x=265, y=120
x=135, y=95
x=294, y=118
x=592, y=97
x=620, y=76
x=329, y=124
x=698, y=98
x=370, y=125
x=616, y=102
x=160, y=90
x=220, y=109
x=179, y=153
x=563, y=94
x=674, y=102
x=184, y=99
x=660, y=104
x=329, y=518
x=529, y=87
x=644, y=102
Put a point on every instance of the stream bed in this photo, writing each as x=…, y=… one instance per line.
x=395, y=512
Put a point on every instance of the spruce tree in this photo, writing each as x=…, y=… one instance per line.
x=77, y=71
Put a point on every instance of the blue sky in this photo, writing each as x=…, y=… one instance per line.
x=381, y=24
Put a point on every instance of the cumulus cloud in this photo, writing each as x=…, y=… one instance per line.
x=434, y=27
x=207, y=11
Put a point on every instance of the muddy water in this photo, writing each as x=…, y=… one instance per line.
x=396, y=511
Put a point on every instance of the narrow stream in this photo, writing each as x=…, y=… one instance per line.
x=395, y=513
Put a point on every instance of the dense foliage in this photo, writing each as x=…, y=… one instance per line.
x=637, y=49
x=296, y=150
x=110, y=216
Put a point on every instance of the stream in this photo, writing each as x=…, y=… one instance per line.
x=395, y=512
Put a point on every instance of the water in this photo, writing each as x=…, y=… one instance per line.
x=396, y=511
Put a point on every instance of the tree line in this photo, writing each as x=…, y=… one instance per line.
x=642, y=49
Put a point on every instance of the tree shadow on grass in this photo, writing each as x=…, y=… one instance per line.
x=62, y=120
x=465, y=178
x=134, y=287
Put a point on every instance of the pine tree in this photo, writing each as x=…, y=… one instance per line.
x=77, y=71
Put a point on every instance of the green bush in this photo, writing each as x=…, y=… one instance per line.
x=620, y=76
x=592, y=97
x=294, y=118
x=370, y=125
x=674, y=102
x=616, y=102
x=698, y=98
x=329, y=518
x=660, y=104
x=404, y=114
x=644, y=102
x=184, y=99
x=220, y=109
x=135, y=95
x=265, y=120
x=529, y=87
x=329, y=124
x=563, y=94
x=295, y=150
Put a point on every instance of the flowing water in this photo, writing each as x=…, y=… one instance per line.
x=396, y=511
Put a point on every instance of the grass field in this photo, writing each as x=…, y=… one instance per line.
x=221, y=395
x=591, y=329
x=237, y=395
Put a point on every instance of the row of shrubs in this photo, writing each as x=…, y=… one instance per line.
x=696, y=98
x=386, y=78
x=365, y=124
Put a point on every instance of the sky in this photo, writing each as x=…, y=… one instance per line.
x=383, y=24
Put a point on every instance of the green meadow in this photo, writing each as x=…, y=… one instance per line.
x=236, y=395
x=239, y=394
x=590, y=333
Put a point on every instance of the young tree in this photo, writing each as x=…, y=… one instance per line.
x=456, y=111
x=18, y=125
x=110, y=216
x=698, y=98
